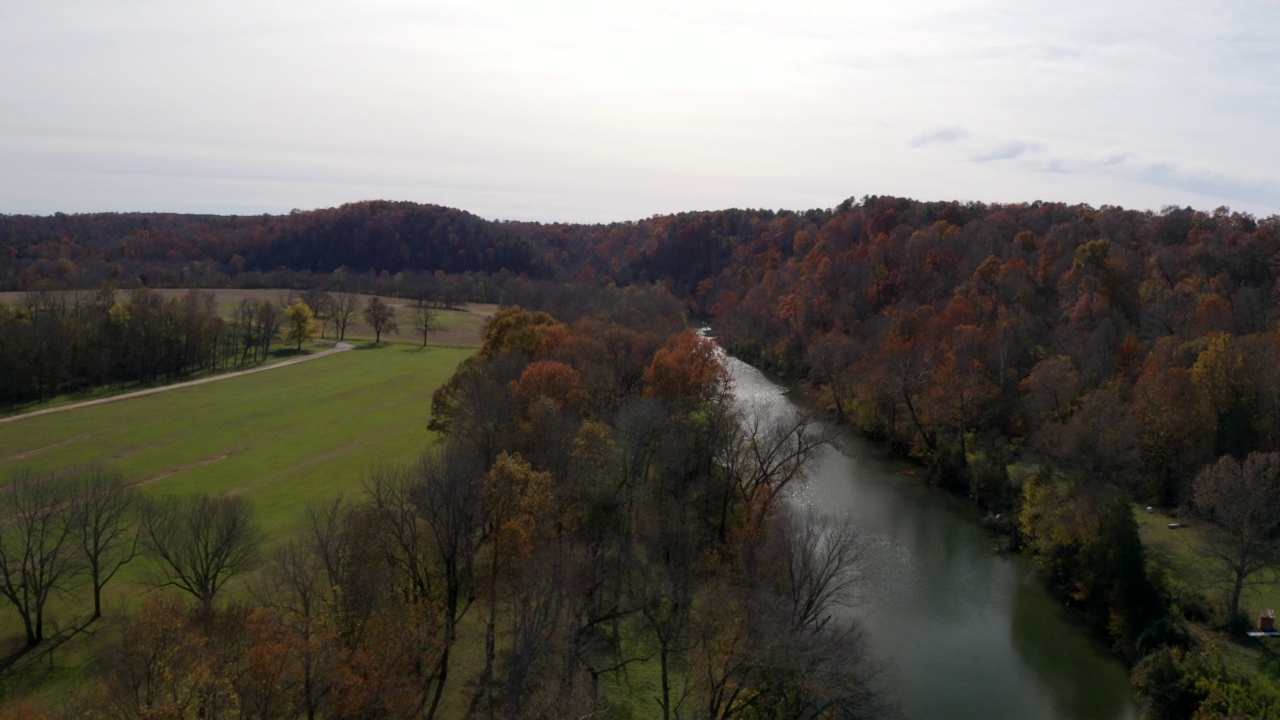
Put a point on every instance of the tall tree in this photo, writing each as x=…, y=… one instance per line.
x=426, y=320
x=449, y=496
x=381, y=317
x=820, y=568
x=302, y=322
x=830, y=357
x=322, y=304
x=297, y=588
x=266, y=324
x=517, y=501
x=1243, y=501
x=200, y=542
x=37, y=546
x=688, y=370
x=105, y=525
x=344, y=309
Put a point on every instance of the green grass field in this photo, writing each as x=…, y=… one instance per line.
x=282, y=437
x=1180, y=553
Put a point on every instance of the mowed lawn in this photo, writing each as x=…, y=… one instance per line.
x=282, y=437
x=1181, y=552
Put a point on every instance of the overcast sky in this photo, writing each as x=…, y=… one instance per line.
x=597, y=111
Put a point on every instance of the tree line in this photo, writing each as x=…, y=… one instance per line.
x=52, y=343
x=56, y=342
x=71, y=532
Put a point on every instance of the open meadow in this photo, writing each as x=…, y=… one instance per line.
x=282, y=438
x=1181, y=553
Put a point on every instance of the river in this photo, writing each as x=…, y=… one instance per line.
x=967, y=632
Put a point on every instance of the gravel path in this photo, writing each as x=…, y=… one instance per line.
x=337, y=348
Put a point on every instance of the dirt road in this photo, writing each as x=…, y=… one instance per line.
x=337, y=348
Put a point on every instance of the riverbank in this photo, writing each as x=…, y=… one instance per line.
x=969, y=633
x=1180, y=647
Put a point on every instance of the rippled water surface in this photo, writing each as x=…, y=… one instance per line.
x=969, y=632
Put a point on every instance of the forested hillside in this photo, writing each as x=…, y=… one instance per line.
x=1054, y=363
x=1019, y=327
x=164, y=249
x=934, y=325
x=1029, y=327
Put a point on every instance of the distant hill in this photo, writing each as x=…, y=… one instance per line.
x=174, y=249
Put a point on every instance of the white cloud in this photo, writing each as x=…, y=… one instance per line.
x=1006, y=151
x=943, y=135
x=590, y=111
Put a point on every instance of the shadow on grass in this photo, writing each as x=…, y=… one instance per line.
x=30, y=666
x=389, y=345
x=1269, y=662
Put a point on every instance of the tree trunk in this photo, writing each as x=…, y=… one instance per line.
x=911, y=408
x=32, y=640
x=1237, y=589
x=666, y=681
x=444, y=675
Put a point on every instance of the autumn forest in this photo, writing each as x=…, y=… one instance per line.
x=595, y=487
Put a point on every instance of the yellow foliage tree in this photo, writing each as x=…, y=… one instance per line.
x=302, y=323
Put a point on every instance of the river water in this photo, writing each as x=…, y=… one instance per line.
x=967, y=632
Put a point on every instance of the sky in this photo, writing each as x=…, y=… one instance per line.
x=598, y=112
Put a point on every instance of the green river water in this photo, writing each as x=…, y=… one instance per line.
x=966, y=632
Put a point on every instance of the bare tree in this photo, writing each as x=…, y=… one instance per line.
x=243, y=329
x=820, y=567
x=1243, y=501
x=37, y=546
x=426, y=320
x=830, y=358
x=767, y=642
x=449, y=497
x=823, y=674
x=671, y=552
x=348, y=542
x=105, y=525
x=761, y=454
x=322, y=305
x=406, y=545
x=267, y=324
x=200, y=542
x=381, y=317
x=328, y=525
x=534, y=612
x=297, y=588
x=344, y=309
